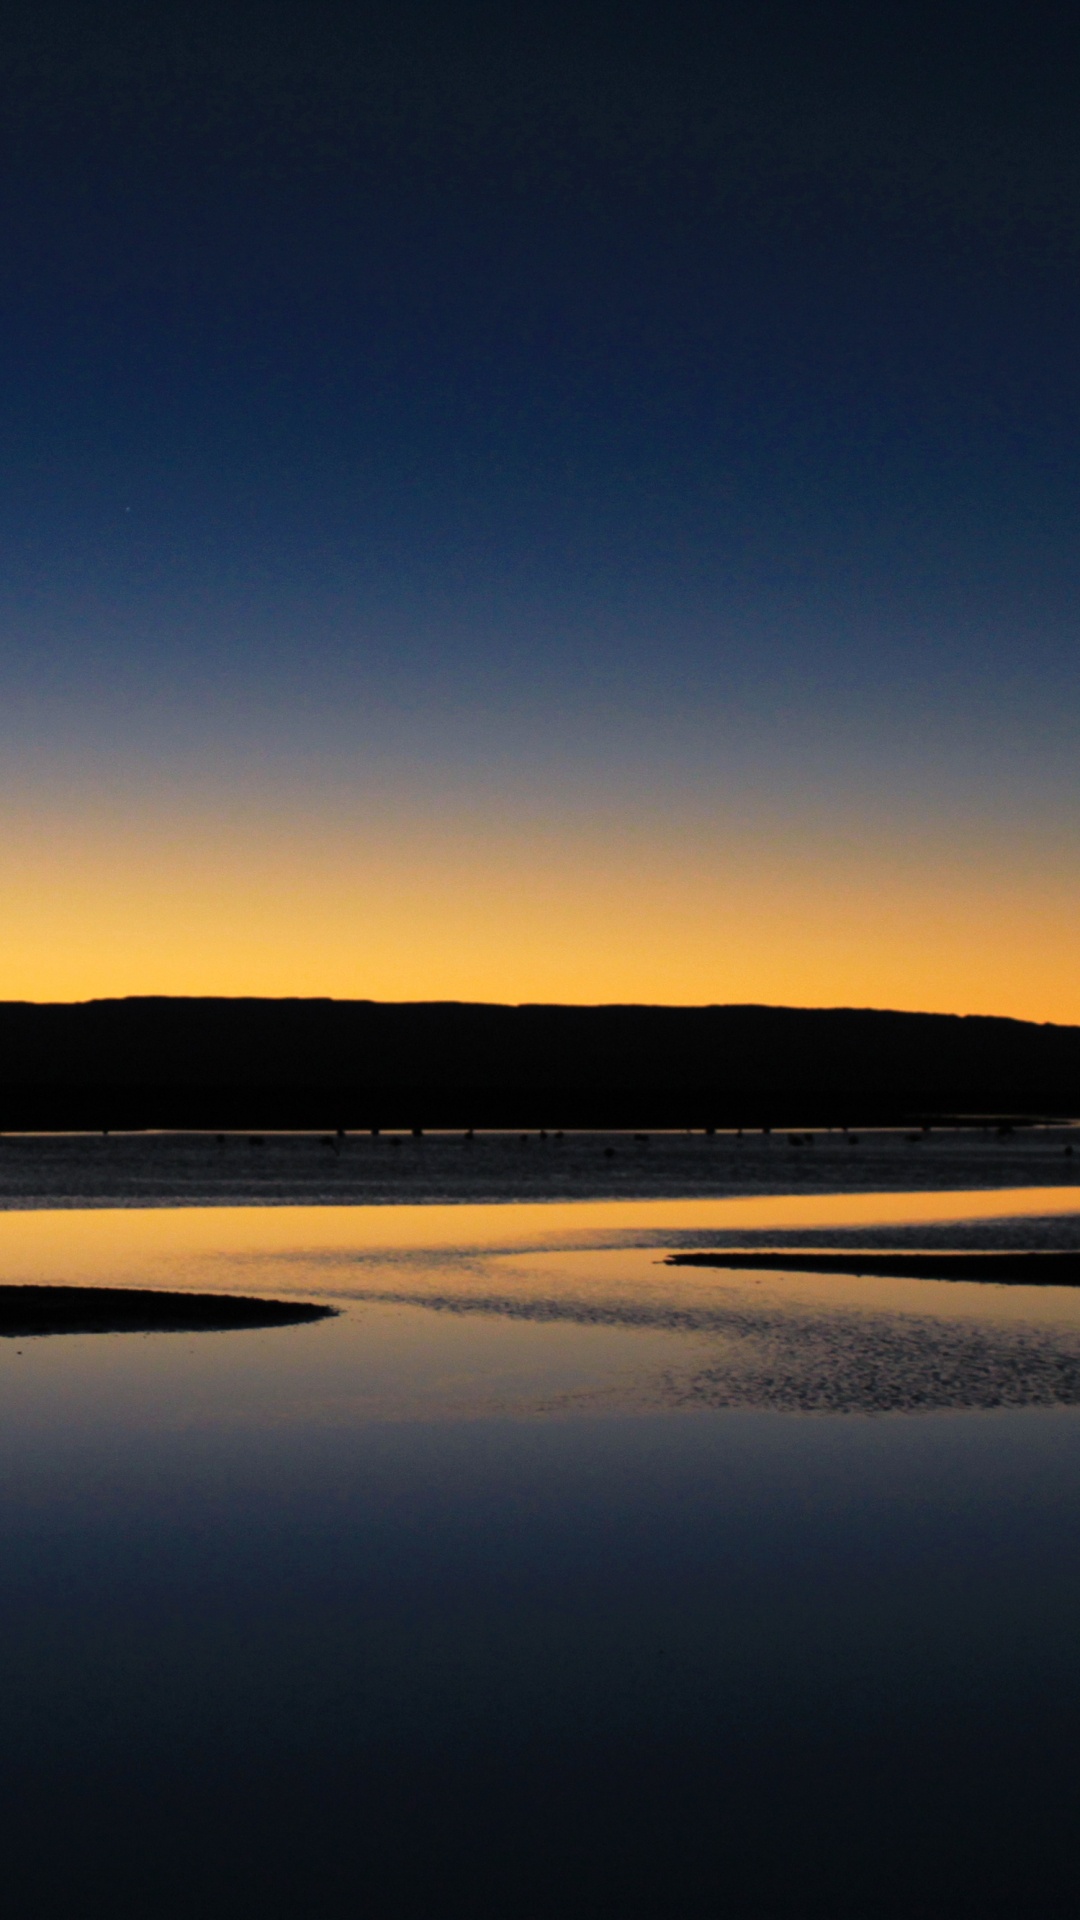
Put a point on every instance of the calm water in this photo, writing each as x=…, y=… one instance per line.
x=545, y=1579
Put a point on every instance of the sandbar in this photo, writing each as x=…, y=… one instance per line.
x=27, y=1311
x=1041, y=1269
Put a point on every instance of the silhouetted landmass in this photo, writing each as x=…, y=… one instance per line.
x=1043, y=1269
x=32, y=1310
x=189, y=1063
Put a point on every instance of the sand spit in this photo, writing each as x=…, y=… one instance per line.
x=29, y=1311
x=1041, y=1269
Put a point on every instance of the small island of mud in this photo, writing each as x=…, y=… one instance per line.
x=27, y=1311
x=1017, y=1269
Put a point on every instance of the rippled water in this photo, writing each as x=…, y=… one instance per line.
x=545, y=1577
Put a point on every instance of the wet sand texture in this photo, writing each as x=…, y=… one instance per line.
x=179, y=1169
x=26, y=1311
x=1043, y=1269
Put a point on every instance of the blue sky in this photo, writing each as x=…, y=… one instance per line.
x=664, y=417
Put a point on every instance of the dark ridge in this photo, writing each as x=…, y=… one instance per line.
x=1044, y=1269
x=26, y=1311
x=270, y=1064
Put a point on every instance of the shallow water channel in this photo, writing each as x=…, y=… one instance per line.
x=545, y=1577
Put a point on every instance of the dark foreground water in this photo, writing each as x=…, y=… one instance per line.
x=545, y=1579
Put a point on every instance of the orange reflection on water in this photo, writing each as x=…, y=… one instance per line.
x=153, y=1245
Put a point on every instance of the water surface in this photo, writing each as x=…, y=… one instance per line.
x=545, y=1577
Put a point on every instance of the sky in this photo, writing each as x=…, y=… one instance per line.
x=561, y=503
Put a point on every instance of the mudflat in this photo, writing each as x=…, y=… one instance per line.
x=27, y=1311
x=1046, y=1268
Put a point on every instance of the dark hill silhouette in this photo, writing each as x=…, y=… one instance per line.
x=152, y=1062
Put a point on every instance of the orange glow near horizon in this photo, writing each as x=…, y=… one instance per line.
x=408, y=909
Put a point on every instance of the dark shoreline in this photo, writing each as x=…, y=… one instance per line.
x=267, y=1169
x=29, y=1311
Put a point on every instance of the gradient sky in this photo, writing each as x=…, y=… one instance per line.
x=541, y=503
